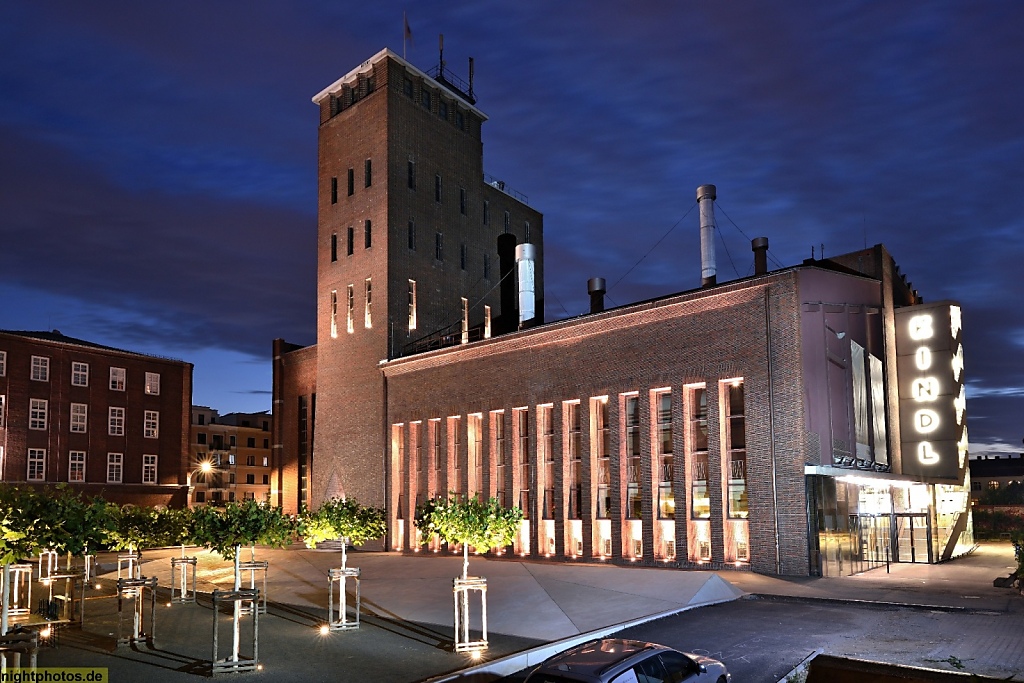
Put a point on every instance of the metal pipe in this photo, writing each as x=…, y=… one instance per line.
x=706, y=196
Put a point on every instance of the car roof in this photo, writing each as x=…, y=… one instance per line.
x=597, y=657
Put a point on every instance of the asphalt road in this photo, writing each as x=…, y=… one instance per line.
x=761, y=640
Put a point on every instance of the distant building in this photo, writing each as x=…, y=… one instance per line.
x=237, y=445
x=995, y=472
x=805, y=420
x=106, y=421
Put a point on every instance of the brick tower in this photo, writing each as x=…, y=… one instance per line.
x=407, y=252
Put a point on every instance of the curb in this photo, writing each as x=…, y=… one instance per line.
x=862, y=603
x=798, y=671
x=510, y=664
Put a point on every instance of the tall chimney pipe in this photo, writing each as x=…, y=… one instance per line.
x=596, y=288
x=760, y=247
x=706, y=200
x=526, y=265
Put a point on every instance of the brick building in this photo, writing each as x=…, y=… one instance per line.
x=106, y=421
x=237, y=446
x=807, y=420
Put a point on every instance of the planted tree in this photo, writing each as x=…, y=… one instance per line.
x=17, y=538
x=345, y=519
x=484, y=525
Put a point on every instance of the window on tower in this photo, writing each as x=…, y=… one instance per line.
x=442, y=109
x=334, y=190
x=425, y=98
x=367, y=173
x=439, y=247
x=351, y=182
x=350, y=245
x=462, y=201
x=412, y=235
x=334, y=247
x=412, y=175
x=462, y=256
x=437, y=188
x=367, y=234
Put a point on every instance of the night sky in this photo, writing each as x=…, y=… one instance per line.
x=158, y=160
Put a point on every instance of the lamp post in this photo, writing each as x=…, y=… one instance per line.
x=205, y=467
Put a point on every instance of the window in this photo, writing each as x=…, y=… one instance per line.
x=266, y=460
x=115, y=421
x=250, y=460
x=462, y=256
x=232, y=439
x=76, y=466
x=367, y=173
x=250, y=479
x=200, y=496
x=462, y=201
x=437, y=188
x=663, y=426
x=412, y=235
x=434, y=439
x=334, y=314
x=442, y=109
x=79, y=374
x=350, y=308
x=201, y=438
x=40, y=369
x=460, y=120
x=439, y=247
x=367, y=234
x=3, y=363
x=114, y=467
x=602, y=453
x=2, y=413
x=697, y=438
x=334, y=247
x=351, y=182
x=79, y=417
x=36, y=464
x=425, y=98
x=412, y=175
x=412, y=305
x=546, y=426
x=507, y=222
x=153, y=383
x=407, y=87
x=487, y=322
x=526, y=230
x=334, y=190
x=474, y=426
x=117, y=378
x=521, y=443
x=367, y=311
x=148, y=469
x=487, y=266
x=151, y=424
x=465, y=320
x=231, y=461
x=498, y=430
x=266, y=479
x=350, y=247
x=736, y=445
x=634, y=503
x=574, y=444
x=487, y=212
x=37, y=408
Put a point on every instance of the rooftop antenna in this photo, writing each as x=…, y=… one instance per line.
x=406, y=33
x=471, y=94
x=440, y=57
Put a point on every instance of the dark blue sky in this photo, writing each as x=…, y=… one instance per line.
x=158, y=160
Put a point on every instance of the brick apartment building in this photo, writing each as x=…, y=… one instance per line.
x=107, y=422
x=237, y=445
x=808, y=420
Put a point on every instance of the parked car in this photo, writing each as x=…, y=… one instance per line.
x=614, y=660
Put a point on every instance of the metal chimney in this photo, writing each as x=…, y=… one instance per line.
x=526, y=266
x=760, y=247
x=596, y=288
x=706, y=200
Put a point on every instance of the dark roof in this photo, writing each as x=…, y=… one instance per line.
x=58, y=338
x=997, y=467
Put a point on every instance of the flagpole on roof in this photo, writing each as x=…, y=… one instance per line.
x=406, y=32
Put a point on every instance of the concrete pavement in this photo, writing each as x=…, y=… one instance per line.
x=407, y=610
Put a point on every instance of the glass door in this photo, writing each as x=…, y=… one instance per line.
x=910, y=538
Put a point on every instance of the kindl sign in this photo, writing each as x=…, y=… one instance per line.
x=930, y=371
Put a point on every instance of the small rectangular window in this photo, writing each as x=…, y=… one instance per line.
x=412, y=235
x=76, y=466
x=439, y=247
x=460, y=121
x=250, y=479
x=412, y=305
x=37, y=413
x=148, y=469
x=3, y=363
x=334, y=314
x=425, y=98
x=462, y=256
x=334, y=247
x=36, y=464
x=367, y=312
x=465, y=320
x=350, y=246
x=40, y=369
x=79, y=374
x=151, y=424
x=351, y=182
x=334, y=190
x=487, y=266
x=442, y=109
x=153, y=383
x=115, y=421
x=367, y=235
x=407, y=87
x=412, y=175
x=437, y=187
x=2, y=412
x=462, y=201
x=201, y=438
x=266, y=460
x=79, y=417
x=526, y=230
x=114, y=467
x=487, y=212
x=507, y=222
x=367, y=173
x=487, y=322
x=250, y=442
x=117, y=379
x=266, y=479
x=351, y=307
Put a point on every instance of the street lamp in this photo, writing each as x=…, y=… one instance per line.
x=205, y=467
